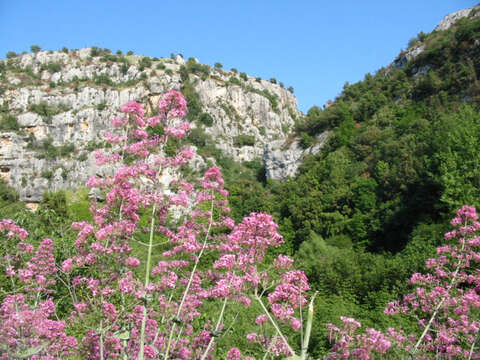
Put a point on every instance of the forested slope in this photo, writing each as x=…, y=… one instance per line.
x=370, y=208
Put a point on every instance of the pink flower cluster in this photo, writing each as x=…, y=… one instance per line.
x=11, y=229
x=120, y=314
x=445, y=303
x=173, y=105
x=26, y=323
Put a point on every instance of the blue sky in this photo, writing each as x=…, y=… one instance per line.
x=313, y=45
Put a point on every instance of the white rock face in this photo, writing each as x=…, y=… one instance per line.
x=282, y=158
x=409, y=55
x=451, y=19
x=83, y=93
x=445, y=24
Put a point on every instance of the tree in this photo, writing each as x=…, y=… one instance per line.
x=218, y=65
x=35, y=48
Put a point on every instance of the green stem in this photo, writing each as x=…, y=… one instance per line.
x=217, y=327
x=147, y=274
x=185, y=293
x=279, y=332
x=437, y=308
x=101, y=340
x=269, y=347
x=471, y=348
x=308, y=330
x=147, y=282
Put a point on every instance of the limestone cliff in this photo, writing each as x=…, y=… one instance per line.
x=56, y=106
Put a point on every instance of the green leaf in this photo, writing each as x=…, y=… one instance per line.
x=122, y=336
x=29, y=352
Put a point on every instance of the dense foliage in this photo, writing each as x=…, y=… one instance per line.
x=401, y=158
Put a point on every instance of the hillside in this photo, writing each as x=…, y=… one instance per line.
x=403, y=144
x=385, y=165
x=57, y=105
x=401, y=157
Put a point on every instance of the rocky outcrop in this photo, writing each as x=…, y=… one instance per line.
x=402, y=61
x=452, y=18
x=406, y=56
x=64, y=102
x=282, y=158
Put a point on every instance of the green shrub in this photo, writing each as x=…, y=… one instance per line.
x=46, y=111
x=7, y=193
x=109, y=57
x=290, y=88
x=161, y=66
x=101, y=106
x=35, y=48
x=198, y=137
x=169, y=72
x=47, y=174
x=282, y=85
x=193, y=67
x=9, y=123
x=206, y=119
x=65, y=50
x=83, y=157
x=273, y=80
x=11, y=55
x=124, y=68
x=184, y=74
x=193, y=100
x=119, y=52
x=94, y=51
x=271, y=97
x=102, y=79
x=54, y=67
x=306, y=140
x=130, y=52
x=56, y=202
x=234, y=70
x=243, y=76
x=421, y=36
x=48, y=150
x=66, y=149
x=412, y=42
x=145, y=62
x=243, y=140
x=234, y=80
x=218, y=65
